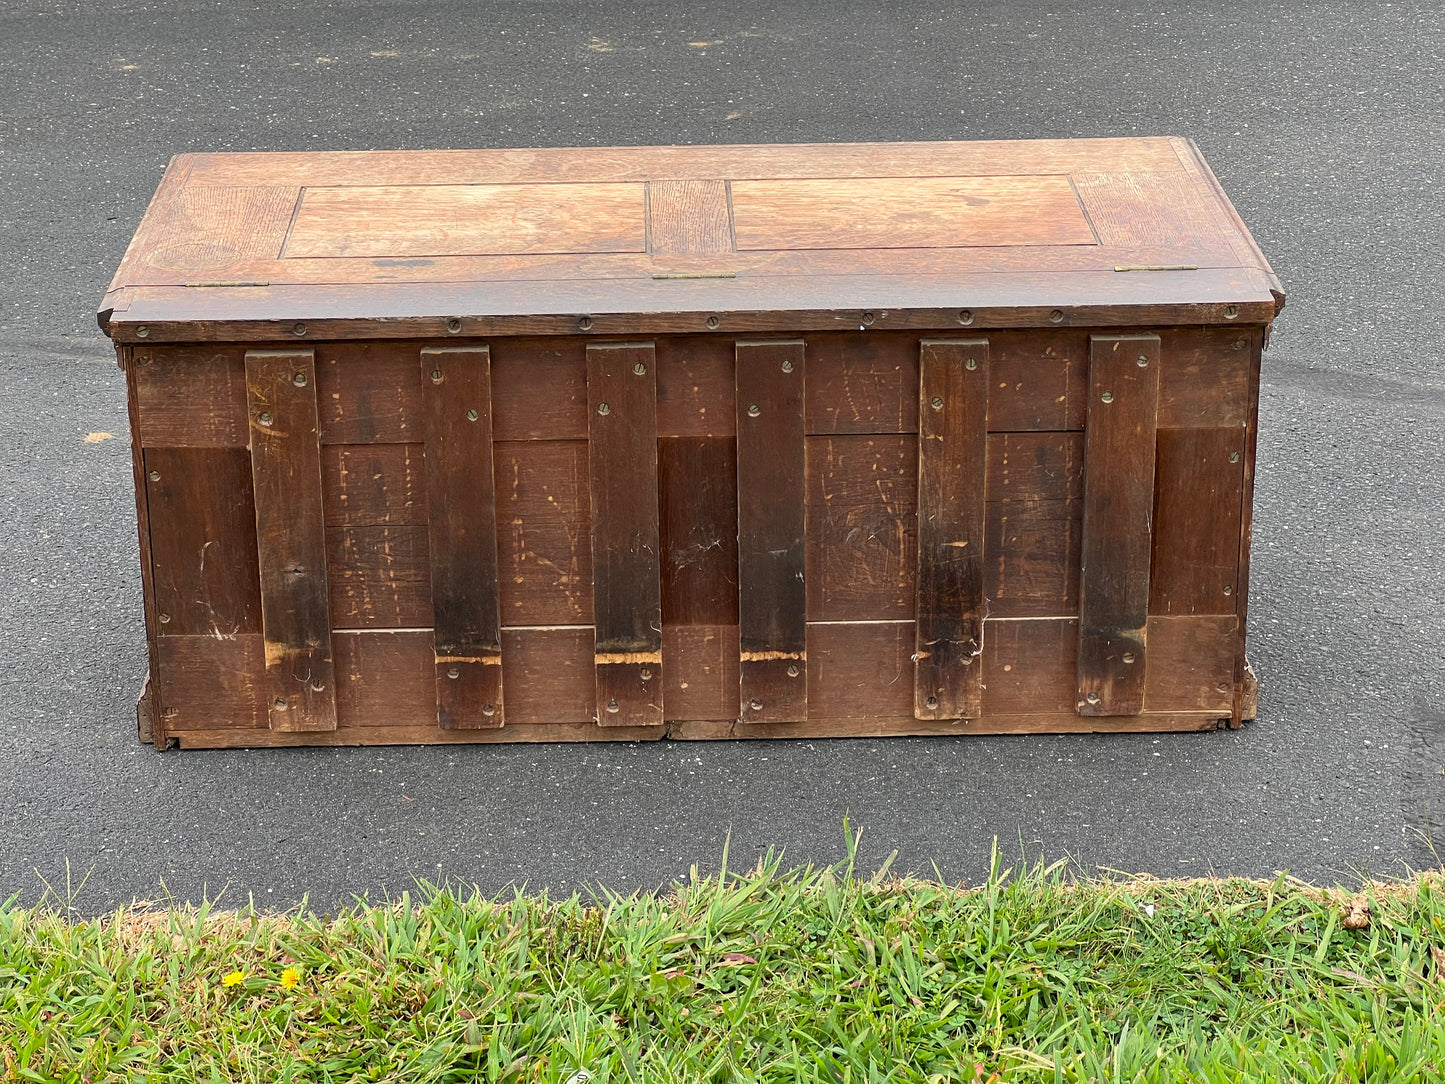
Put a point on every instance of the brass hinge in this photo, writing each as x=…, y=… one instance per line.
x=239, y=282
x=1158, y=267
x=694, y=274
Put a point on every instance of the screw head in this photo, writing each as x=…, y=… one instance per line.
x=154, y=476
x=971, y=364
x=489, y=710
x=279, y=703
x=936, y=402
x=298, y=328
x=612, y=707
x=299, y=380
x=454, y=325
x=640, y=369
x=603, y=408
x=264, y=417
x=868, y=319
x=965, y=316
x=1234, y=457
x=1057, y=316
x=1107, y=397
x=164, y=619
x=472, y=415
x=1142, y=361
x=1092, y=698
x=454, y=672
x=142, y=359
x=754, y=410
x=1240, y=344
x=1228, y=590
x=318, y=686
x=585, y=323
x=436, y=376
x=1231, y=311
x=755, y=704
x=787, y=366
x=142, y=332
x=713, y=322
x=645, y=673
x=931, y=703
x=1128, y=658
x=793, y=669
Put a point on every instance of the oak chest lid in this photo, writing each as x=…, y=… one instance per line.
x=251, y=247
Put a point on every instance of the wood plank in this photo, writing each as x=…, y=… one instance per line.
x=191, y=396
x=1197, y=503
x=908, y=212
x=210, y=684
x=952, y=453
x=703, y=671
x=1204, y=379
x=627, y=594
x=1118, y=501
x=1040, y=380
x=380, y=577
x=771, y=510
x=202, y=541
x=149, y=707
x=696, y=388
x=373, y=485
x=1246, y=683
x=291, y=538
x=462, y=517
x=544, y=529
x=862, y=527
x=410, y=220
x=1032, y=666
x=215, y=232
x=1191, y=664
x=690, y=218
x=1033, y=551
x=1035, y=466
x=862, y=670
x=697, y=493
x=862, y=382
x=367, y=393
x=539, y=389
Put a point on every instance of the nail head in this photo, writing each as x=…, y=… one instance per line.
x=936, y=402
x=298, y=328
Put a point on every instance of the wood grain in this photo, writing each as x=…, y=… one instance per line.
x=861, y=382
x=907, y=212
x=697, y=494
x=689, y=218
x=191, y=397
x=409, y=220
x=952, y=452
x=1035, y=466
x=380, y=577
x=1118, y=501
x=626, y=571
x=367, y=393
x=202, y=535
x=1197, y=501
x=462, y=518
x=291, y=538
x=372, y=485
x=1033, y=550
x=544, y=518
x=771, y=530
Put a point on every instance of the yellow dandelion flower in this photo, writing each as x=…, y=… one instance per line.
x=290, y=979
x=232, y=978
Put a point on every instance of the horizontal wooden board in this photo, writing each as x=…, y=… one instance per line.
x=380, y=577
x=1035, y=466
x=388, y=222
x=1031, y=557
x=908, y=212
x=191, y=397
x=1198, y=497
x=372, y=485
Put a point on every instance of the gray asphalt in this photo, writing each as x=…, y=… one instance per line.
x=1323, y=121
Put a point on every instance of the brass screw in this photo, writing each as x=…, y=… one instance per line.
x=1228, y=590
x=1128, y=658
x=142, y=332
x=586, y=325
x=1092, y=698
x=713, y=322
x=154, y=476
x=318, y=686
x=165, y=619
x=453, y=672
x=489, y=710
x=612, y=707
x=142, y=359
x=755, y=704
x=1231, y=311
x=1240, y=344
x=640, y=369
x=436, y=376
x=264, y=417
x=971, y=364
x=1057, y=316
x=1142, y=361
x=753, y=410
x=298, y=329
x=792, y=669
x=279, y=703
x=645, y=673
x=868, y=319
x=1234, y=457
x=1107, y=397
x=931, y=703
x=965, y=316
x=454, y=325
x=299, y=380
x=787, y=366
x=472, y=415
x=603, y=408
x=936, y=402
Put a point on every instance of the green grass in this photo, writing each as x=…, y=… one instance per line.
x=802, y=975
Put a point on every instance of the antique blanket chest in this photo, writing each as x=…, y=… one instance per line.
x=693, y=442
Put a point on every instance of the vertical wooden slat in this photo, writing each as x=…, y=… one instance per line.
x=462, y=517
x=952, y=446
x=772, y=494
x=626, y=569
x=291, y=538
x=1119, y=450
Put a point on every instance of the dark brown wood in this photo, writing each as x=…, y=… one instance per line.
x=1033, y=551
x=771, y=506
x=204, y=575
x=379, y=577
x=373, y=485
x=191, y=397
x=697, y=491
x=148, y=707
x=1118, y=499
x=627, y=595
x=1246, y=682
x=544, y=530
x=952, y=455
x=1200, y=475
x=291, y=539
x=462, y=515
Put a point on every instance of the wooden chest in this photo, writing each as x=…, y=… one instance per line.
x=693, y=442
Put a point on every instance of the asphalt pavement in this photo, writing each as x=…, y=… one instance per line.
x=1322, y=120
